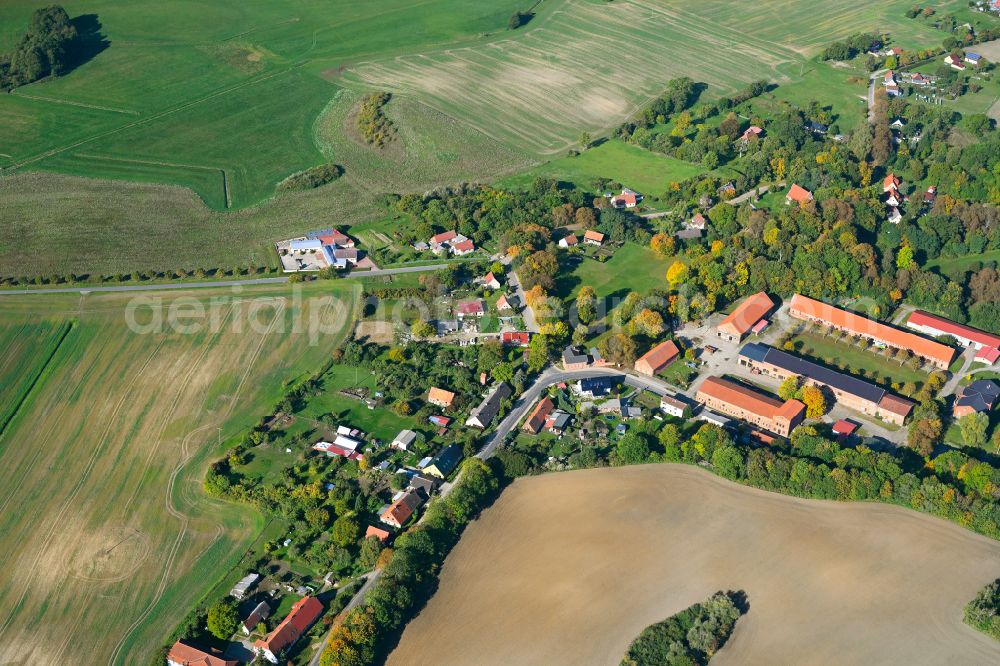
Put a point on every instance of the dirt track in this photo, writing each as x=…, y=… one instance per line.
x=568, y=568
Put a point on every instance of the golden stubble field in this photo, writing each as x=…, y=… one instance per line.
x=569, y=568
x=107, y=538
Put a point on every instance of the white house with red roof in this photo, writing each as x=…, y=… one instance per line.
x=889, y=81
x=954, y=60
x=476, y=308
x=490, y=280
x=698, y=221
x=186, y=654
x=569, y=241
x=751, y=132
x=627, y=199
x=304, y=612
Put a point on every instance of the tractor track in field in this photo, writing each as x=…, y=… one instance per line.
x=186, y=456
x=77, y=487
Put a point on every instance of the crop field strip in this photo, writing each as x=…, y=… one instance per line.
x=123, y=464
x=588, y=65
x=25, y=352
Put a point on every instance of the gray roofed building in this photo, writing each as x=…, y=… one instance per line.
x=689, y=234
x=404, y=440
x=574, y=358
x=246, y=584
x=424, y=484
x=256, y=616
x=979, y=396
x=483, y=415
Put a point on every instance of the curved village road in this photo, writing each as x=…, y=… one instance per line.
x=83, y=289
x=552, y=376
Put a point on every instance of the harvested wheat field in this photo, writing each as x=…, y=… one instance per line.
x=107, y=537
x=569, y=568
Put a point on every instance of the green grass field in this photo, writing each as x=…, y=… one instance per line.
x=632, y=268
x=832, y=353
x=108, y=538
x=642, y=170
x=227, y=86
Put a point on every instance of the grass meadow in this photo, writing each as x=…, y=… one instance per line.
x=640, y=169
x=108, y=538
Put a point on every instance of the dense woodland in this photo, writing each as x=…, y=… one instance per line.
x=48, y=48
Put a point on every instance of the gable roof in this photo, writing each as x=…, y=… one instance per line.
x=471, y=307
x=749, y=312
x=750, y=400
x=444, y=236
x=400, y=511
x=464, y=246
x=448, y=459
x=570, y=240
x=891, y=181
x=440, y=395
x=303, y=613
x=869, y=328
x=377, y=532
x=799, y=194
x=539, y=414
x=490, y=406
x=659, y=356
x=594, y=236
x=189, y=655
x=926, y=319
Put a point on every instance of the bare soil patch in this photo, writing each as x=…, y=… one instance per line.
x=569, y=568
x=380, y=332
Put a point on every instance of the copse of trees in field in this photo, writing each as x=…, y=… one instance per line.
x=312, y=178
x=374, y=126
x=983, y=612
x=851, y=47
x=48, y=48
x=690, y=637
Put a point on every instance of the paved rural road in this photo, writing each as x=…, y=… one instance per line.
x=351, y=605
x=552, y=376
x=763, y=189
x=83, y=289
x=527, y=313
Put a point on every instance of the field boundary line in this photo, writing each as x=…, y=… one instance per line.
x=83, y=105
x=68, y=326
x=177, y=165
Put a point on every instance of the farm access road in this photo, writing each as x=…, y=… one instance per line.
x=83, y=289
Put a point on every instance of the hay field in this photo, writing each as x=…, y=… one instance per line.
x=228, y=86
x=108, y=540
x=587, y=65
x=568, y=568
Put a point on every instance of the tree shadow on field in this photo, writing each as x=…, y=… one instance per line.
x=90, y=40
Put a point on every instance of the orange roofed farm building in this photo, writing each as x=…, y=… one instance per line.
x=748, y=405
x=739, y=322
x=808, y=309
x=185, y=654
x=304, y=612
x=657, y=358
